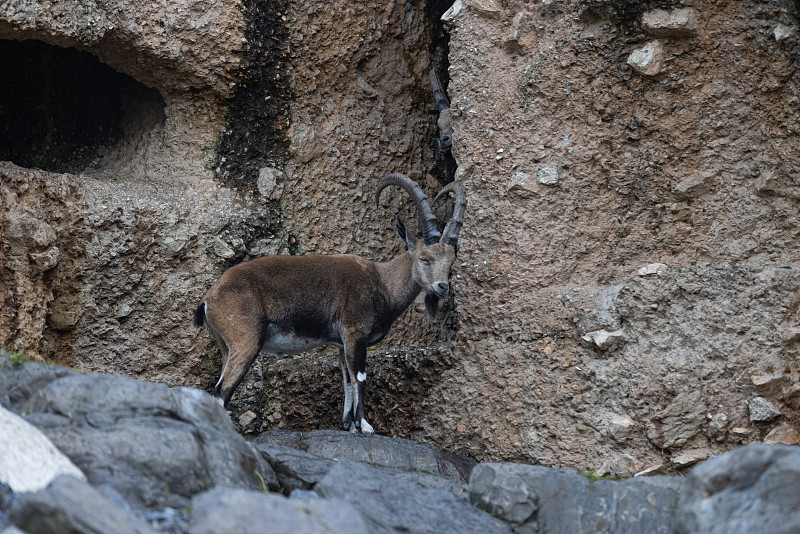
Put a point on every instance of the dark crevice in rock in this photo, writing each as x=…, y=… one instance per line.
x=446, y=166
x=62, y=110
x=255, y=134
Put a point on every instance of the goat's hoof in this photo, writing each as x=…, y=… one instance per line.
x=366, y=428
x=353, y=429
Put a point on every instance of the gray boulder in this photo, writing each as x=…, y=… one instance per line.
x=535, y=498
x=155, y=446
x=402, y=501
x=247, y=511
x=375, y=450
x=753, y=489
x=70, y=506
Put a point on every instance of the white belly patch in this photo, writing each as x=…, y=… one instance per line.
x=289, y=343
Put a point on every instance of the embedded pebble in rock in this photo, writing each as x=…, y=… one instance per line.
x=762, y=410
x=649, y=59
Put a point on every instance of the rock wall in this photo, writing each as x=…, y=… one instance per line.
x=584, y=165
x=625, y=297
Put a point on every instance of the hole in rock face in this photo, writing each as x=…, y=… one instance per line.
x=62, y=110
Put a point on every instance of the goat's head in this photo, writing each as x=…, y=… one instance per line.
x=434, y=253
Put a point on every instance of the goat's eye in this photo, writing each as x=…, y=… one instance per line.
x=425, y=261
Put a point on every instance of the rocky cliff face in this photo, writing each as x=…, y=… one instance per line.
x=625, y=297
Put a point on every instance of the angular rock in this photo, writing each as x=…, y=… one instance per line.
x=99, y=422
x=247, y=511
x=691, y=456
x=619, y=427
x=648, y=60
x=695, y=186
x=521, y=184
x=672, y=23
x=375, y=450
x=28, y=460
x=605, y=340
x=751, y=489
x=270, y=183
x=678, y=422
x=547, y=175
x=783, y=434
x=484, y=8
x=453, y=11
x=542, y=499
x=69, y=506
x=762, y=410
x=295, y=469
x=393, y=501
x=652, y=268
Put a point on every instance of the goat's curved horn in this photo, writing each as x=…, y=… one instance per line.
x=426, y=217
x=453, y=226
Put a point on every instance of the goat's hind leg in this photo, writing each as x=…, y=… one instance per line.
x=347, y=413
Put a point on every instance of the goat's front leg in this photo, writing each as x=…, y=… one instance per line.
x=356, y=356
x=347, y=414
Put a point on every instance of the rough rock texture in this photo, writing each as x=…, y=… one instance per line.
x=539, y=499
x=99, y=422
x=751, y=489
x=374, y=450
x=168, y=460
x=694, y=167
x=248, y=511
x=580, y=171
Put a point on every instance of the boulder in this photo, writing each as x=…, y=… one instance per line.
x=69, y=506
x=535, y=498
x=750, y=489
x=396, y=501
x=375, y=450
x=248, y=511
x=154, y=445
x=28, y=460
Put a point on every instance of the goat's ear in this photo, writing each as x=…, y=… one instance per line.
x=401, y=231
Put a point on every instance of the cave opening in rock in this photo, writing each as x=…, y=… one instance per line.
x=62, y=110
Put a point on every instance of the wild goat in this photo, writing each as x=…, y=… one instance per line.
x=294, y=303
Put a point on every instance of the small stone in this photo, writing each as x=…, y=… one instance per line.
x=63, y=320
x=766, y=379
x=604, y=340
x=270, y=183
x=246, y=420
x=46, y=260
x=455, y=10
x=521, y=184
x=740, y=430
x=783, y=434
x=695, y=186
x=782, y=31
x=619, y=427
x=762, y=410
x=687, y=458
x=652, y=470
x=222, y=249
x=485, y=8
x=548, y=175
x=674, y=23
x=717, y=424
x=652, y=268
x=648, y=60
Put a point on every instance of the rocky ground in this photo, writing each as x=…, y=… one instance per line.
x=92, y=453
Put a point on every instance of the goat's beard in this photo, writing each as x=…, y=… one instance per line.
x=431, y=303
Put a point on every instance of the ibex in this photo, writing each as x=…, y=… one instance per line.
x=290, y=304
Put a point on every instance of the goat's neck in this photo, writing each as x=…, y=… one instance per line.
x=396, y=277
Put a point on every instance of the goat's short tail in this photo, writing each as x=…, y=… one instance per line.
x=200, y=315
